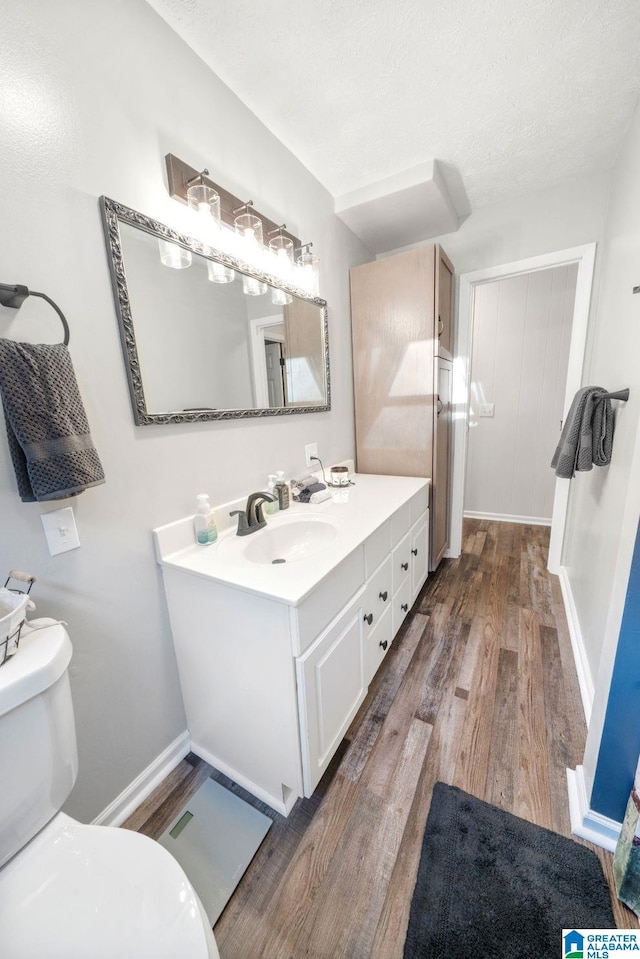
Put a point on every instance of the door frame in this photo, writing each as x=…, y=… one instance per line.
x=260, y=330
x=584, y=257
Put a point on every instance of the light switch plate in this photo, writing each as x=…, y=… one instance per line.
x=60, y=530
x=486, y=409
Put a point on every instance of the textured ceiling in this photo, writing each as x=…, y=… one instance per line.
x=509, y=96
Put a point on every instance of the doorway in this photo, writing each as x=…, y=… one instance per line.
x=470, y=284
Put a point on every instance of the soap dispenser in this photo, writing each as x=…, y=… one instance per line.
x=282, y=490
x=204, y=521
x=270, y=508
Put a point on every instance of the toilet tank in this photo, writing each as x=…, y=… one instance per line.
x=38, y=752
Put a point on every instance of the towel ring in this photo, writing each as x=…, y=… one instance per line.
x=14, y=297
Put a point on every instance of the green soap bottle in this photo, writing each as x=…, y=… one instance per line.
x=204, y=521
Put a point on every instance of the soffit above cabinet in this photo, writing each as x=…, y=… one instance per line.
x=402, y=209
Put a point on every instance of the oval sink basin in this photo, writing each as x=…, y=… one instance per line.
x=288, y=540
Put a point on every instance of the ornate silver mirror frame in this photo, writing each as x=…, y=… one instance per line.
x=113, y=215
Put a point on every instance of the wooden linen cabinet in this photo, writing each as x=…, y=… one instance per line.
x=402, y=358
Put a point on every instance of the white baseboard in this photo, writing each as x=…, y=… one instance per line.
x=144, y=784
x=585, y=822
x=506, y=518
x=577, y=644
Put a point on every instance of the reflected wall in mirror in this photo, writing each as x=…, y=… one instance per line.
x=205, y=336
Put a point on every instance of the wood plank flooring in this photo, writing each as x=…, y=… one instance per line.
x=478, y=690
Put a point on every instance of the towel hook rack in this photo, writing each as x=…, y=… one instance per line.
x=618, y=395
x=14, y=297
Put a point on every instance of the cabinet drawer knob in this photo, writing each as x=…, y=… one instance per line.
x=405, y=566
x=384, y=643
x=404, y=607
x=383, y=596
x=414, y=552
x=368, y=618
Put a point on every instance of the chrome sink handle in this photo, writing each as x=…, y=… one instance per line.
x=243, y=525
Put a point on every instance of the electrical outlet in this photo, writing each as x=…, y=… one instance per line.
x=60, y=530
x=311, y=449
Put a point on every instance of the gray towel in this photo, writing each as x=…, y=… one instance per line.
x=49, y=440
x=587, y=436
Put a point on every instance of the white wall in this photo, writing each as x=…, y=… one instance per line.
x=605, y=504
x=92, y=97
x=520, y=348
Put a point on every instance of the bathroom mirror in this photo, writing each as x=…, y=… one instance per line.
x=206, y=337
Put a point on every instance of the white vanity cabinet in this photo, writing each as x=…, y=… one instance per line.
x=271, y=682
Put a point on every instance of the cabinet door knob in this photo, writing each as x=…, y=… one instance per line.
x=404, y=608
x=438, y=405
x=415, y=552
x=368, y=618
x=440, y=325
x=383, y=596
x=384, y=643
x=405, y=566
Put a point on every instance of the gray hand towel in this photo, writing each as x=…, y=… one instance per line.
x=49, y=440
x=587, y=436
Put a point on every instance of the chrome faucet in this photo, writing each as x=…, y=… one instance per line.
x=251, y=517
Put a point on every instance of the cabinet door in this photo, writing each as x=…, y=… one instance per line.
x=392, y=314
x=331, y=686
x=443, y=301
x=440, y=486
x=419, y=554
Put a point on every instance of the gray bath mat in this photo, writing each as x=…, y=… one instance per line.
x=214, y=837
x=491, y=885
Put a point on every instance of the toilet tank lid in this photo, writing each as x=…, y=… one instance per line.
x=42, y=657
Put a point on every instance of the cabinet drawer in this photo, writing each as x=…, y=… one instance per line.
x=400, y=522
x=419, y=554
x=319, y=608
x=401, y=562
x=377, y=643
x=331, y=686
x=401, y=604
x=376, y=547
x=377, y=597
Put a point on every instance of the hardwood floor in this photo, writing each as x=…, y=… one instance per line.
x=479, y=690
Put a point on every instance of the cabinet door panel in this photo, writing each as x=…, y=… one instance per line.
x=444, y=298
x=331, y=686
x=392, y=309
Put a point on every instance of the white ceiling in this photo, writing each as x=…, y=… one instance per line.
x=509, y=96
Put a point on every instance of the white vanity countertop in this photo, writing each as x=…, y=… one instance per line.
x=359, y=510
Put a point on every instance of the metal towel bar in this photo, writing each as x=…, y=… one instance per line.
x=619, y=395
x=14, y=297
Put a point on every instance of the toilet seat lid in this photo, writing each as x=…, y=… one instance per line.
x=78, y=891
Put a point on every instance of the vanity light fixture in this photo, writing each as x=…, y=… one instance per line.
x=248, y=227
x=202, y=198
x=308, y=262
x=243, y=240
x=281, y=263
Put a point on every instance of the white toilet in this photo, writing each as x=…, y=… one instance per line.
x=69, y=891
